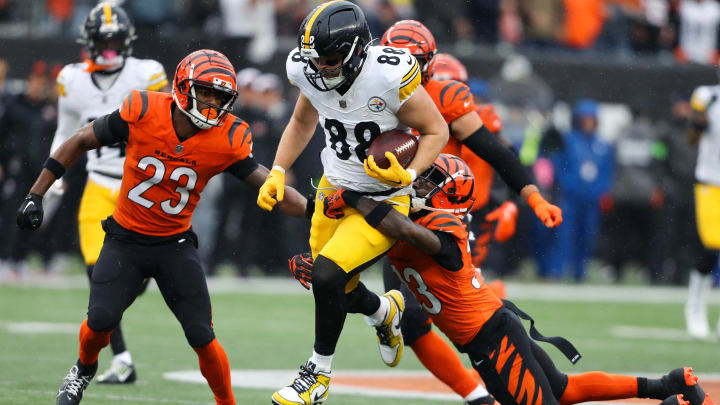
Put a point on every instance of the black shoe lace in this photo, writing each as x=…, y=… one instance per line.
x=76, y=384
x=383, y=333
x=305, y=380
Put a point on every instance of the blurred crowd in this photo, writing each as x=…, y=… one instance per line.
x=623, y=180
x=683, y=30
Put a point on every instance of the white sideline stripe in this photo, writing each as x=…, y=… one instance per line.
x=40, y=327
x=111, y=397
x=650, y=333
x=531, y=291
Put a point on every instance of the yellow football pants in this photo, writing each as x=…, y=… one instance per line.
x=349, y=241
x=97, y=204
x=707, y=214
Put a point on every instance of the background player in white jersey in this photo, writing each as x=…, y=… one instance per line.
x=356, y=91
x=87, y=91
x=704, y=130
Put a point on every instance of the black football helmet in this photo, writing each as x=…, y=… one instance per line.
x=107, y=35
x=335, y=27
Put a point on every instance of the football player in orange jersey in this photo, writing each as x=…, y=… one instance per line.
x=175, y=144
x=433, y=260
x=455, y=102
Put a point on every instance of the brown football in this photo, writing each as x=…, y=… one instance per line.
x=399, y=142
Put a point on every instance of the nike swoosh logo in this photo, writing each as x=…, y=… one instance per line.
x=477, y=363
x=30, y=204
x=466, y=104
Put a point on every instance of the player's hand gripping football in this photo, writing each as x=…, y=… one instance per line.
x=506, y=217
x=272, y=191
x=30, y=213
x=333, y=205
x=301, y=268
x=394, y=176
x=550, y=215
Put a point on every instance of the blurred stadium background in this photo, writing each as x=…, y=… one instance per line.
x=532, y=59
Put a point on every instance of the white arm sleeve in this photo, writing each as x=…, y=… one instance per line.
x=68, y=123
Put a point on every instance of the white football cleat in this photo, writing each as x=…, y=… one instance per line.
x=389, y=335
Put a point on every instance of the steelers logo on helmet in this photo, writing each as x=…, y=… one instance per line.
x=415, y=37
x=205, y=87
x=334, y=38
x=107, y=34
x=448, y=186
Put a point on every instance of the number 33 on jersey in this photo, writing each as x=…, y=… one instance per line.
x=351, y=121
x=163, y=177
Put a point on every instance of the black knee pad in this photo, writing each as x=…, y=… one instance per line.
x=414, y=324
x=101, y=319
x=198, y=335
x=327, y=274
x=707, y=261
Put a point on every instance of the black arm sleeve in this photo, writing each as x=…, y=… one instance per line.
x=242, y=168
x=111, y=129
x=503, y=160
x=449, y=256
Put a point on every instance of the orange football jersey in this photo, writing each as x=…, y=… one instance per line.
x=453, y=99
x=162, y=176
x=459, y=302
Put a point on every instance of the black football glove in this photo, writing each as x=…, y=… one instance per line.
x=301, y=268
x=30, y=213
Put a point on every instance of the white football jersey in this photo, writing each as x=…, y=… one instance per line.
x=351, y=121
x=707, y=170
x=81, y=100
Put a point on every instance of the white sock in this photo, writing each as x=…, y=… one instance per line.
x=698, y=291
x=324, y=363
x=124, y=357
x=478, y=392
x=379, y=316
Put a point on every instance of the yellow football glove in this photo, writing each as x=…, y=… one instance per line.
x=273, y=190
x=394, y=176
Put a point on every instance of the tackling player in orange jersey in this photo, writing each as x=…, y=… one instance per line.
x=433, y=260
x=503, y=218
x=175, y=144
x=455, y=102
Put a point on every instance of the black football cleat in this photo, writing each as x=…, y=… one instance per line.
x=71, y=391
x=683, y=381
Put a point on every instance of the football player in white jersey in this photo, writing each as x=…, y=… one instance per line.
x=87, y=91
x=704, y=130
x=356, y=91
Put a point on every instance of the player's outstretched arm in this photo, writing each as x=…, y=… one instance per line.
x=420, y=112
x=294, y=139
x=293, y=204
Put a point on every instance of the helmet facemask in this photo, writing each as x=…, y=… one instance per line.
x=329, y=79
x=437, y=190
x=201, y=113
x=107, y=35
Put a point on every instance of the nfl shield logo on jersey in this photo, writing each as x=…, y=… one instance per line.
x=376, y=104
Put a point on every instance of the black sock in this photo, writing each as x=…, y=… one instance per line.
x=329, y=291
x=86, y=370
x=362, y=301
x=117, y=342
x=652, y=388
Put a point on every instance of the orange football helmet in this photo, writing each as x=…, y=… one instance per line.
x=448, y=185
x=211, y=70
x=415, y=37
x=447, y=67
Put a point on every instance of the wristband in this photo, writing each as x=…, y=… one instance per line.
x=413, y=175
x=535, y=199
x=55, y=167
x=278, y=168
x=351, y=198
x=377, y=214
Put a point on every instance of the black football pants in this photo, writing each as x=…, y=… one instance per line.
x=175, y=265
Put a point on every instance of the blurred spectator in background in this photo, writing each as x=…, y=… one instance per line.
x=636, y=199
x=584, y=171
x=684, y=245
x=26, y=131
x=543, y=20
x=698, y=31
x=583, y=23
x=249, y=30
x=152, y=18
x=381, y=16
x=460, y=20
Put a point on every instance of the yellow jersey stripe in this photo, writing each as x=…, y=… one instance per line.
x=108, y=13
x=414, y=67
x=155, y=76
x=157, y=86
x=407, y=89
x=312, y=19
